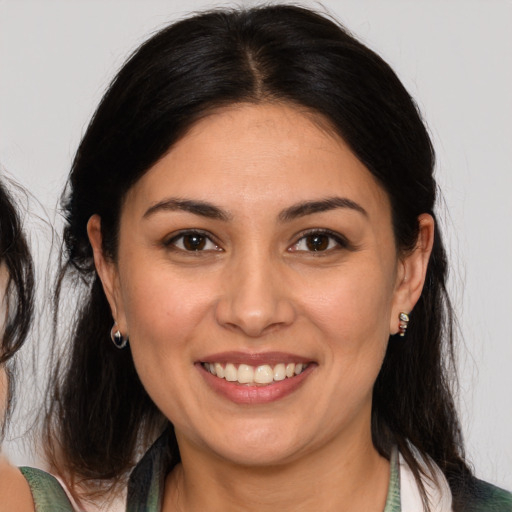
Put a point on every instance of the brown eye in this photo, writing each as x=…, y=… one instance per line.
x=194, y=242
x=317, y=242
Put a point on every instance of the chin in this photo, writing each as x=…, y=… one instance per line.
x=257, y=446
x=262, y=456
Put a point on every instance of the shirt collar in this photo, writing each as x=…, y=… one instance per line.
x=147, y=480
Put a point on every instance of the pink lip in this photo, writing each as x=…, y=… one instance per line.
x=247, y=394
x=253, y=359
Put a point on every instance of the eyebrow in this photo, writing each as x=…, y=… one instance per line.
x=209, y=210
x=323, y=205
x=201, y=208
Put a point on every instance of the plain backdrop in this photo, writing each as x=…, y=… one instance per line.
x=455, y=58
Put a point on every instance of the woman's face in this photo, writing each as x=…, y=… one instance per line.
x=4, y=280
x=259, y=248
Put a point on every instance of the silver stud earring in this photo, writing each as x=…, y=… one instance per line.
x=404, y=323
x=117, y=338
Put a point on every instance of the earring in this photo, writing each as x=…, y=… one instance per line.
x=117, y=338
x=404, y=323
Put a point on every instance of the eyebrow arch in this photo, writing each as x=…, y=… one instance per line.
x=202, y=208
x=323, y=205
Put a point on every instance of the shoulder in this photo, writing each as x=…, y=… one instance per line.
x=485, y=497
x=14, y=489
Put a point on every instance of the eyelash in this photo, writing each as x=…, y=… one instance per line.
x=339, y=241
x=172, y=242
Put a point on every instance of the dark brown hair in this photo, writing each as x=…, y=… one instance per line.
x=98, y=409
x=15, y=255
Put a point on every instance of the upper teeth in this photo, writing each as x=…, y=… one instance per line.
x=246, y=374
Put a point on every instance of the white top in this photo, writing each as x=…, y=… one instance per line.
x=436, y=486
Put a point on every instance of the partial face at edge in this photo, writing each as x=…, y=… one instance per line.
x=260, y=239
x=4, y=280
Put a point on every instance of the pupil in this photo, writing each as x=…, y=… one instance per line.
x=317, y=242
x=194, y=242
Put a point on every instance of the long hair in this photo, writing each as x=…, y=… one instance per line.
x=98, y=409
x=16, y=259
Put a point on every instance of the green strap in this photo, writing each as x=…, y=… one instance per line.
x=47, y=493
x=393, y=503
x=147, y=480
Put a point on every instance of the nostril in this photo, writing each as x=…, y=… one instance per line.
x=254, y=318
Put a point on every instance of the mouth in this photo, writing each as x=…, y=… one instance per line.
x=255, y=378
x=249, y=375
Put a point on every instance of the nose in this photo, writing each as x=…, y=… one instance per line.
x=255, y=299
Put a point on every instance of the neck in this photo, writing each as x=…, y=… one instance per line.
x=352, y=477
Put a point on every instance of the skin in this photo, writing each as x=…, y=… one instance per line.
x=257, y=287
x=4, y=279
x=14, y=490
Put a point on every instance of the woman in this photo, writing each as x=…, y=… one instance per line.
x=16, y=289
x=251, y=211
x=18, y=489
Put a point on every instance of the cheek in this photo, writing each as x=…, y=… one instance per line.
x=3, y=392
x=163, y=316
x=354, y=304
x=351, y=314
x=169, y=316
x=162, y=309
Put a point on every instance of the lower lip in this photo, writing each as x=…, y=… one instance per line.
x=247, y=394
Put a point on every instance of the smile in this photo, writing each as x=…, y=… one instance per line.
x=261, y=375
x=255, y=378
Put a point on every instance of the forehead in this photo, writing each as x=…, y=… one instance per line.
x=265, y=154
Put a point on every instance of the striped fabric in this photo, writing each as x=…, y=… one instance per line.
x=47, y=493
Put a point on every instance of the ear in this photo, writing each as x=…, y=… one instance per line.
x=412, y=270
x=107, y=272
